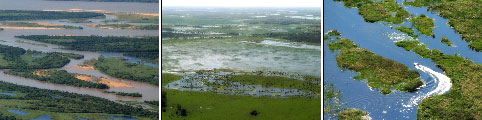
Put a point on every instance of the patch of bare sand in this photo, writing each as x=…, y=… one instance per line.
x=40, y=73
x=84, y=67
x=84, y=77
x=112, y=83
x=46, y=24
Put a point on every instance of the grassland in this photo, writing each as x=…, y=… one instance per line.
x=463, y=100
x=277, y=82
x=118, y=67
x=424, y=24
x=380, y=72
x=18, y=58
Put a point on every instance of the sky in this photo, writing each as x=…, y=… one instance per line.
x=243, y=3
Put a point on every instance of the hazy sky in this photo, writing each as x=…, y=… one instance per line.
x=244, y=3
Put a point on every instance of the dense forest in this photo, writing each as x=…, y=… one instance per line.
x=18, y=58
x=56, y=76
x=35, y=15
x=147, y=1
x=41, y=99
x=120, y=68
x=145, y=47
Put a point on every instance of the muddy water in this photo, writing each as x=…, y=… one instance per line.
x=148, y=91
x=56, y=5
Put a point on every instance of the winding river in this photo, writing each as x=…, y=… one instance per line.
x=148, y=91
x=380, y=39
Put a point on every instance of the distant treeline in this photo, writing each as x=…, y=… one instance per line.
x=147, y=1
x=145, y=47
x=35, y=15
x=56, y=76
x=41, y=99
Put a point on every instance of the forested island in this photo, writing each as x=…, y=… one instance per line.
x=64, y=105
x=146, y=47
x=38, y=15
x=120, y=68
x=56, y=76
x=18, y=58
x=380, y=72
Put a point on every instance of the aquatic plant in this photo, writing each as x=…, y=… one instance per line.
x=424, y=24
x=352, y=114
x=407, y=30
x=380, y=72
x=465, y=17
x=446, y=41
x=463, y=100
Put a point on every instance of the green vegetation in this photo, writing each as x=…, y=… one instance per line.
x=56, y=76
x=421, y=3
x=423, y=24
x=334, y=33
x=352, y=114
x=387, y=10
x=465, y=18
x=36, y=15
x=147, y=1
x=407, y=30
x=380, y=72
x=407, y=44
x=168, y=78
x=129, y=26
x=205, y=105
x=145, y=47
x=311, y=37
x=63, y=105
x=21, y=41
x=18, y=58
x=446, y=41
x=118, y=67
x=277, y=82
x=125, y=94
x=463, y=100
x=31, y=24
x=136, y=18
x=331, y=100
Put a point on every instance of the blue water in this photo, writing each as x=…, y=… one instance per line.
x=18, y=112
x=8, y=93
x=43, y=117
x=128, y=58
x=373, y=36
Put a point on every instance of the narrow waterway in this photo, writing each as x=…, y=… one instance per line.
x=380, y=39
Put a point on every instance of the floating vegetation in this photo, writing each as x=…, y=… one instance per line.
x=354, y=114
x=445, y=40
x=407, y=30
x=380, y=72
x=424, y=24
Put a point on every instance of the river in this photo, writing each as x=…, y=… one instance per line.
x=148, y=91
x=376, y=37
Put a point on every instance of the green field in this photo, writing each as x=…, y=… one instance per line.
x=206, y=105
x=118, y=67
x=277, y=82
x=424, y=24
